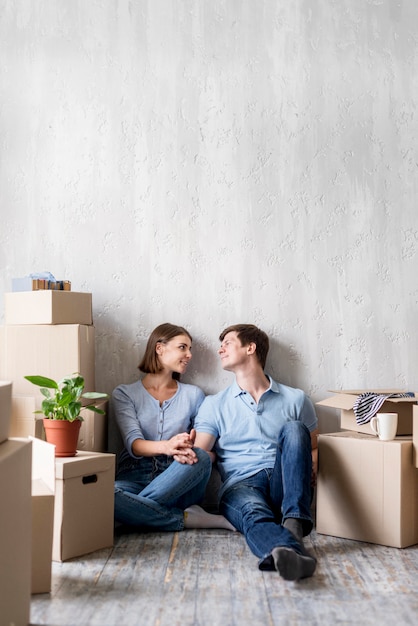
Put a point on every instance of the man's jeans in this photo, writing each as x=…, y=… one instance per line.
x=256, y=506
x=154, y=497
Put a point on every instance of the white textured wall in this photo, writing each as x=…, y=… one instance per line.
x=212, y=162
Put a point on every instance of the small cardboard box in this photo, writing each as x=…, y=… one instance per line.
x=43, y=496
x=48, y=306
x=5, y=408
x=84, y=504
x=52, y=351
x=367, y=489
x=345, y=399
x=15, y=532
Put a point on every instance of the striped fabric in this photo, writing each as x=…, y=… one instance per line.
x=368, y=404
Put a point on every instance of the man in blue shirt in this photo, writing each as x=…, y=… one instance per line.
x=263, y=436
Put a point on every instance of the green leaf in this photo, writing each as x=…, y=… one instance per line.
x=42, y=381
x=91, y=407
x=94, y=395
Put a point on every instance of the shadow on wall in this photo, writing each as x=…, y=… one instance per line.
x=285, y=364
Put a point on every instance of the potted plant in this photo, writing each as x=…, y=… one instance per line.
x=61, y=407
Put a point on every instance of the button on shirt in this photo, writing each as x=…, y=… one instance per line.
x=246, y=432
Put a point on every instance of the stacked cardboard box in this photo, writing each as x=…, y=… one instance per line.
x=368, y=489
x=49, y=333
x=71, y=499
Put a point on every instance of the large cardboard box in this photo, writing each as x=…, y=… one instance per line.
x=23, y=421
x=15, y=532
x=43, y=496
x=52, y=351
x=415, y=433
x=48, y=307
x=345, y=399
x=367, y=489
x=84, y=504
x=5, y=408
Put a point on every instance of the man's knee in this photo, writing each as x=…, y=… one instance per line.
x=294, y=432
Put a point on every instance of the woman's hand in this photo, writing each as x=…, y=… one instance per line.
x=180, y=447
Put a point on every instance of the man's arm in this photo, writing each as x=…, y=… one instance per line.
x=314, y=442
x=206, y=442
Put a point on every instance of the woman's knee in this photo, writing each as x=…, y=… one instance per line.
x=203, y=457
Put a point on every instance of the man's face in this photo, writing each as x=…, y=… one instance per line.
x=231, y=352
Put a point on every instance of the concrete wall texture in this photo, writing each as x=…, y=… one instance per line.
x=223, y=161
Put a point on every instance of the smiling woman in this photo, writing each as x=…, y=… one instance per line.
x=160, y=475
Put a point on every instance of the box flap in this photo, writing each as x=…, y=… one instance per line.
x=83, y=464
x=346, y=399
x=43, y=463
x=339, y=401
x=357, y=392
x=39, y=488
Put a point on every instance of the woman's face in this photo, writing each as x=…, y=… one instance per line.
x=174, y=356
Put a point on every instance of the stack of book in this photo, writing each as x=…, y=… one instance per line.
x=35, y=283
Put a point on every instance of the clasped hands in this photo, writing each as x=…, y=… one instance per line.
x=180, y=447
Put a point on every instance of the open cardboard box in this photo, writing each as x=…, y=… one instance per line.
x=367, y=489
x=345, y=399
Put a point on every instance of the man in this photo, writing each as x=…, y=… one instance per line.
x=264, y=437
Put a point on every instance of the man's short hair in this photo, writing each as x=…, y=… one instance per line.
x=248, y=333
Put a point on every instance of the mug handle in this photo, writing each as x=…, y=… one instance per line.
x=374, y=425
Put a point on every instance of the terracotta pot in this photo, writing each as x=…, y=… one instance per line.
x=64, y=436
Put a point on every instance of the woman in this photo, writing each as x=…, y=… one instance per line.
x=160, y=475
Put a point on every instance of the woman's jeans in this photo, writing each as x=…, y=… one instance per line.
x=257, y=506
x=154, y=493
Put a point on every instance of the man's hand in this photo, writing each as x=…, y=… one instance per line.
x=181, y=448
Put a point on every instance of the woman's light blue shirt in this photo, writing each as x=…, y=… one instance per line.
x=139, y=415
x=246, y=432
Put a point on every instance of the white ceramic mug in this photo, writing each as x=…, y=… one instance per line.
x=385, y=425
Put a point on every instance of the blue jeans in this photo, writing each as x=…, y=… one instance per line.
x=153, y=493
x=257, y=506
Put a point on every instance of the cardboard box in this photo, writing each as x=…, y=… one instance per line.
x=415, y=433
x=15, y=532
x=84, y=504
x=43, y=496
x=5, y=408
x=344, y=400
x=48, y=306
x=52, y=351
x=23, y=421
x=367, y=489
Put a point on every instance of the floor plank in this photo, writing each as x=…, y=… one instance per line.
x=210, y=578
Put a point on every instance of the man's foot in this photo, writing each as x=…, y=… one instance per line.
x=295, y=526
x=291, y=565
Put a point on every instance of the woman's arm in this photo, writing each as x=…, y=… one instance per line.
x=179, y=445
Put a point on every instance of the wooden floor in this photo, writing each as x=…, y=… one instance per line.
x=210, y=578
